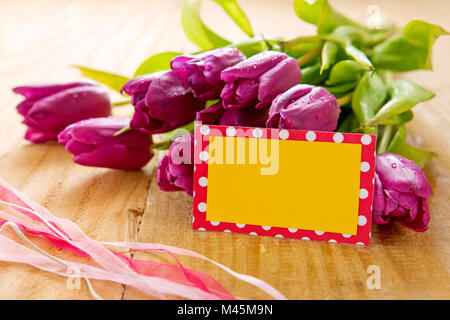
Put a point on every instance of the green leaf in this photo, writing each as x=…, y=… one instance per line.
x=254, y=46
x=311, y=74
x=320, y=13
x=349, y=124
x=329, y=55
x=157, y=62
x=342, y=88
x=345, y=71
x=398, y=119
x=358, y=55
x=114, y=81
x=200, y=34
x=410, y=50
x=347, y=36
x=369, y=96
x=404, y=95
x=399, y=146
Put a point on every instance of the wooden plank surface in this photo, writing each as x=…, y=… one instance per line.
x=40, y=39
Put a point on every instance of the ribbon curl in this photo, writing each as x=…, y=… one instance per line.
x=151, y=277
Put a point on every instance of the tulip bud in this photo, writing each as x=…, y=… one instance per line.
x=201, y=72
x=255, y=82
x=48, y=109
x=218, y=115
x=92, y=142
x=161, y=102
x=304, y=107
x=401, y=191
x=176, y=170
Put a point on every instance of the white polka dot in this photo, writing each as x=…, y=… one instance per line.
x=319, y=233
x=284, y=134
x=362, y=220
x=346, y=235
x=204, y=130
x=253, y=234
x=338, y=137
x=332, y=240
x=195, y=143
x=231, y=132
x=279, y=236
x=214, y=223
x=203, y=181
x=201, y=229
x=292, y=230
x=266, y=228
x=360, y=243
x=366, y=139
x=365, y=166
x=306, y=238
x=363, y=193
x=310, y=136
x=202, y=207
x=193, y=219
x=370, y=234
x=204, y=155
x=257, y=133
x=226, y=231
x=240, y=225
x=195, y=167
x=193, y=193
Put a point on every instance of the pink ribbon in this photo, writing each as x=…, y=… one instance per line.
x=151, y=277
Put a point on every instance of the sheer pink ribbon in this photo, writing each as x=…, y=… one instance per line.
x=154, y=278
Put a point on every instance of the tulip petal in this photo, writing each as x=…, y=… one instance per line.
x=378, y=203
x=164, y=178
x=115, y=157
x=283, y=76
x=401, y=174
x=38, y=136
x=43, y=90
x=58, y=110
x=420, y=222
x=254, y=66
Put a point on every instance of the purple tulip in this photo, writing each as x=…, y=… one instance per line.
x=218, y=115
x=201, y=72
x=255, y=82
x=92, y=142
x=161, y=102
x=401, y=191
x=49, y=108
x=176, y=170
x=304, y=107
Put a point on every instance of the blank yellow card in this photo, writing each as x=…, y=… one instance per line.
x=316, y=185
x=309, y=185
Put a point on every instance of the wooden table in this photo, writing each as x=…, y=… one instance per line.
x=40, y=39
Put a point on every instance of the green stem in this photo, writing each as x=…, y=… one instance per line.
x=123, y=130
x=296, y=41
x=385, y=138
x=304, y=59
x=121, y=103
x=342, y=101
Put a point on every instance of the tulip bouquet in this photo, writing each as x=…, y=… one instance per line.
x=339, y=79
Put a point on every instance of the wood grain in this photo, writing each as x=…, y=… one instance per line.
x=40, y=39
